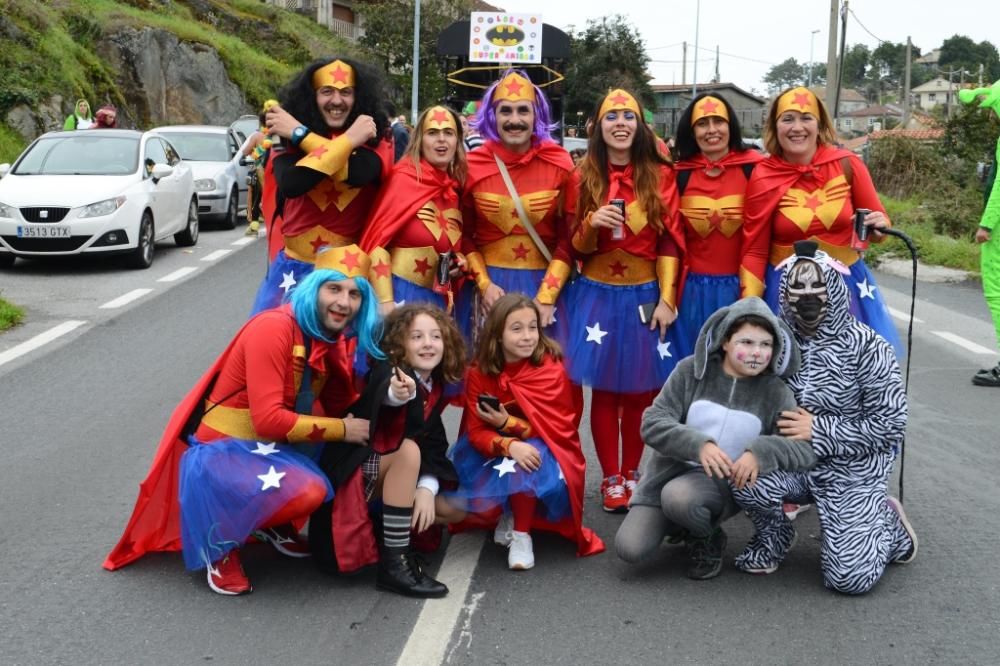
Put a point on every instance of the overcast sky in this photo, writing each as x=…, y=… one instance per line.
x=754, y=36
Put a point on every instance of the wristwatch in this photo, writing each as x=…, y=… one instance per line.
x=298, y=134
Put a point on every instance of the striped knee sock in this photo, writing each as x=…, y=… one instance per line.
x=396, y=528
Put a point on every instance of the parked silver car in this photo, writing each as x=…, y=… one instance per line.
x=219, y=179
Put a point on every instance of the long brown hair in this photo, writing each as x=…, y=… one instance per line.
x=397, y=328
x=825, y=132
x=646, y=161
x=457, y=169
x=490, y=356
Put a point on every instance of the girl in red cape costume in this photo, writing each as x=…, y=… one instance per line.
x=521, y=466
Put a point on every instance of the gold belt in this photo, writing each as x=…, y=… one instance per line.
x=231, y=421
x=514, y=251
x=303, y=246
x=619, y=268
x=415, y=264
x=844, y=255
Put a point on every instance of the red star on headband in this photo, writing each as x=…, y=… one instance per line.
x=619, y=99
x=801, y=99
x=709, y=106
x=339, y=75
x=439, y=116
x=350, y=260
x=514, y=87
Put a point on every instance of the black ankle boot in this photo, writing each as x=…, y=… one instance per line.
x=402, y=574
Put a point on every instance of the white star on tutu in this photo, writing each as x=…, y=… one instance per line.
x=265, y=449
x=554, y=310
x=866, y=290
x=663, y=349
x=594, y=333
x=272, y=479
x=561, y=477
x=506, y=466
x=288, y=282
x=399, y=304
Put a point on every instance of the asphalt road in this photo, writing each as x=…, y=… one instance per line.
x=80, y=418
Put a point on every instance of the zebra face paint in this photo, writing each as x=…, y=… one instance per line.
x=807, y=296
x=748, y=351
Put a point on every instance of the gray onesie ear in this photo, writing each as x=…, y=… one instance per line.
x=789, y=358
x=708, y=340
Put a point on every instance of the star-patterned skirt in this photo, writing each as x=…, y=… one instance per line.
x=867, y=304
x=486, y=483
x=404, y=291
x=609, y=348
x=282, y=276
x=511, y=280
x=703, y=295
x=229, y=487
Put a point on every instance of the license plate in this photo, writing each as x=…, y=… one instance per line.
x=48, y=231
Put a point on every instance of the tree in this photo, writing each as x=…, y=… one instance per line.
x=389, y=39
x=960, y=53
x=609, y=54
x=785, y=75
x=855, y=66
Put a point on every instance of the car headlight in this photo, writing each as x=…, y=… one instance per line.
x=205, y=184
x=102, y=208
x=6, y=211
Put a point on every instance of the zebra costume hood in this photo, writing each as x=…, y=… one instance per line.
x=838, y=306
x=784, y=360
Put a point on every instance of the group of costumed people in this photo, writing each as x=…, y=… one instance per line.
x=503, y=281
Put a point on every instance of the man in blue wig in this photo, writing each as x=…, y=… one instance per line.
x=238, y=457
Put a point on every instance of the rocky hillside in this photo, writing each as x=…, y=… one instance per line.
x=158, y=61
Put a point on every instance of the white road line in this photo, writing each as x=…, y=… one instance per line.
x=125, y=299
x=39, y=340
x=212, y=256
x=178, y=274
x=904, y=316
x=246, y=240
x=430, y=636
x=963, y=343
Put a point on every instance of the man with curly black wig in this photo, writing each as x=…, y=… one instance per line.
x=335, y=151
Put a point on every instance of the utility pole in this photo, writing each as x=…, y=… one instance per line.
x=831, y=54
x=812, y=38
x=694, y=76
x=906, y=83
x=415, y=85
x=684, y=65
x=717, y=79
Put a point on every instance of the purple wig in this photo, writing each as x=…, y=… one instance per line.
x=485, y=121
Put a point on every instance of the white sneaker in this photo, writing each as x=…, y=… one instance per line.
x=504, y=531
x=520, y=557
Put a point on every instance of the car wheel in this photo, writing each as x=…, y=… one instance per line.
x=142, y=256
x=229, y=221
x=7, y=259
x=189, y=236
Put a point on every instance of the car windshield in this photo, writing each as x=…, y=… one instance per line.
x=80, y=155
x=200, y=146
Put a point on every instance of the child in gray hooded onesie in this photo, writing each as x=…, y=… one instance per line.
x=712, y=422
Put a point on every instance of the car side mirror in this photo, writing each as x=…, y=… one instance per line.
x=161, y=171
x=4, y=169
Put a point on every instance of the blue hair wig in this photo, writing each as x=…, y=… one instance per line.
x=367, y=323
x=485, y=121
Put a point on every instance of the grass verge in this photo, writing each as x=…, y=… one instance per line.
x=10, y=315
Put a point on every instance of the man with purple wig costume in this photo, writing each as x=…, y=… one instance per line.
x=516, y=122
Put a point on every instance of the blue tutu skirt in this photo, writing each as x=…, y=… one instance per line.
x=405, y=292
x=487, y=483
x=511, y=280
x=282, y=276
x=870, y=310
x=703, y=295
x=223, y=499
x=609, y=348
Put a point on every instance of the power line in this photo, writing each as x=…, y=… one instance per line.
x=880, y=41
x=712, y=51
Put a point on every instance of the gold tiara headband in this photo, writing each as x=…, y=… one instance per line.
x=338, y=74
x=709, y=107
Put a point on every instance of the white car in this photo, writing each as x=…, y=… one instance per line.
x=220, y=180
x=96, y=191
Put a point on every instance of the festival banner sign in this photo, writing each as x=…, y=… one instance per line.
x=499, y=37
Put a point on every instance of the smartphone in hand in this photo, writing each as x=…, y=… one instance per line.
x=646, y=312
x=490, y=401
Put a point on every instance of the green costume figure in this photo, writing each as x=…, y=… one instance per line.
x=990, y=242
x=80, y=118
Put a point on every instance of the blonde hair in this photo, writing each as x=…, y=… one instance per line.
x=414, y=150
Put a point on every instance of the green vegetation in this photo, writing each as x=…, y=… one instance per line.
x=933, y=248
x=10, y=315
x=50, y=48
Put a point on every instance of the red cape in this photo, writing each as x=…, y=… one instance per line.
x=401, y=197
x=482, y=165
x=772, y=178
x=268, y=208
x=732, y=158
x=552, y=417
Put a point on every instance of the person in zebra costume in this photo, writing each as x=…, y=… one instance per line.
x=852, y=407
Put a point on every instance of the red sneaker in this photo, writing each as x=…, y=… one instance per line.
x=226, y=576
x=631, y=481
x=285, y=540
x=613, y=494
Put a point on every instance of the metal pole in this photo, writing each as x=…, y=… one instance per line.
x=831, y=54
x=694, y=76
x=906, y=84
x=415, y=85
x=812, y=39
